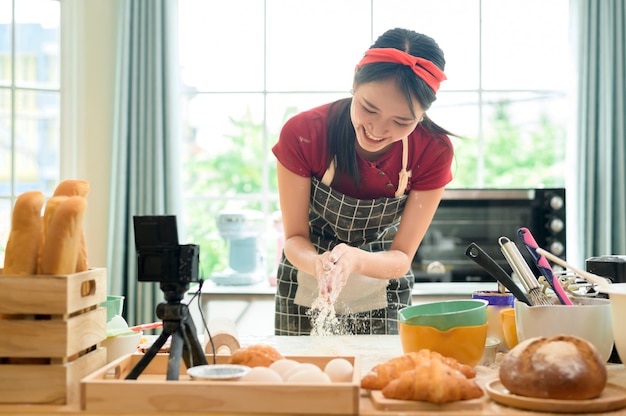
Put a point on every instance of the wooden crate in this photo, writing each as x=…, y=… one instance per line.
x=106, y=390
x=51, y=327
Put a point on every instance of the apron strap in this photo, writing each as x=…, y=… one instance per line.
x=327, y=179
x=403, y=175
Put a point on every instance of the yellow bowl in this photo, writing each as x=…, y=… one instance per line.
x=509, y=327
x=464, y=343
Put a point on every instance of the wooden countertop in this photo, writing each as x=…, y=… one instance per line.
x=371, y=350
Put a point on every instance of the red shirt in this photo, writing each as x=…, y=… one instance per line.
x=301, y=148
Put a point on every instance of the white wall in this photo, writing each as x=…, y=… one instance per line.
x=88, y=43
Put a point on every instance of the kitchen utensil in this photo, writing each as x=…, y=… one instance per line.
x=221, y=372
x=542, y=264
x=142, y=327
x=445, y=314
x=587, y=318
x=463, y=343
x=484, y=260
x=593, y=278
x=509, y=327
x=521, y=268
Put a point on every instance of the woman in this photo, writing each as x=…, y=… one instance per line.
x=359, y=182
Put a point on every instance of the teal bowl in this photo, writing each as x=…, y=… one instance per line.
x=446, y=314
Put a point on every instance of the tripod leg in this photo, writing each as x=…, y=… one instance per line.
x=148, y=356
x=193, y=354
x=176, y=351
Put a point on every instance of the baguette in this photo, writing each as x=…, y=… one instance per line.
x=72, y=187
x=51, y=206
x=63, y=237
x=76, y=187
x=22, y=247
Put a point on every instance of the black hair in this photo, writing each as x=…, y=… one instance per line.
x=340, y=131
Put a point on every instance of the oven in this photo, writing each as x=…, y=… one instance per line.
x=483, y=216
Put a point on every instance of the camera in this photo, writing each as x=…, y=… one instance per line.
x=159, y=256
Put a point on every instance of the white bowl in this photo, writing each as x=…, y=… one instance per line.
x=120, y=345
x=590, y=320
x=617, y=298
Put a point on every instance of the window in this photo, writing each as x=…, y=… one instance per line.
x=29, y=102
x=248, y=65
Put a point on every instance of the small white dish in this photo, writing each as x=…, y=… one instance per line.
x=221, y=372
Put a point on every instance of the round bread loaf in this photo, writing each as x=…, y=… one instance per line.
x=255, y=356
x=560, y=367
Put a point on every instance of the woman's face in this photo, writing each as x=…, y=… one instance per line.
x=381, y=115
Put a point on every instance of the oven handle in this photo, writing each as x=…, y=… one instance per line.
x=480, y=257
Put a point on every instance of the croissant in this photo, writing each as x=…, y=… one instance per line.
x=434, y=382
x=383, y=373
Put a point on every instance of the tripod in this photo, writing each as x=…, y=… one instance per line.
x=178, y=324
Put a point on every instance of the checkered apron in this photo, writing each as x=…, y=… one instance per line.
x=370, y=225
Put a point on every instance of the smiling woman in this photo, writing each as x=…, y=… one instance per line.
x=233, y=111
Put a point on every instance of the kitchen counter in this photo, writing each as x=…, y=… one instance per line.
x=262, y=294
x=371, y=350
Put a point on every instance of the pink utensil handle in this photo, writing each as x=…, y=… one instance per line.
x=141, y=327
x=543, y=264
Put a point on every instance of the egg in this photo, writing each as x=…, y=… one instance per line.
x=261, y=374
x=301, y=366
x=283, y=365
x=309, y=375
x=339, y=370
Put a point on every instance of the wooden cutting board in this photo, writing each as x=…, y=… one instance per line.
x=380, y=402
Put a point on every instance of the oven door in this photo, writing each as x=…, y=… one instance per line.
x=483, y=216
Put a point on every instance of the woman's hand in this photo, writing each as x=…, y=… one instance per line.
x=333, y=269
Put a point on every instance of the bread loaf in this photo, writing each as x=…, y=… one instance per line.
x=63, y=237
x=22, y=249
x=560, y=367
x=258, y=355
x=76, y=187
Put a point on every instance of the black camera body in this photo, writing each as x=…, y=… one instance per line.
x=159, y=256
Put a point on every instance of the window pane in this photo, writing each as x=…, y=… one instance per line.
x=37, y=140
x=525, y=140
x=223, y=140
x=453, y=24
x=37, y=39
x=6, y=37
x=221, y=44
x=281, y=107
x=5, y=226
x=5, y=143
x=525, y=44
x=314, y=45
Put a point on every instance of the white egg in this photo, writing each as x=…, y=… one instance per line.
x=309, y=375
x=262, y=375
x=300, y=367
x=339, y=370
x=283, y=365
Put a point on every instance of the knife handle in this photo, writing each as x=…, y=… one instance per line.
x=480, y=257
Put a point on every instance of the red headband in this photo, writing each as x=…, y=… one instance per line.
x=423, y=68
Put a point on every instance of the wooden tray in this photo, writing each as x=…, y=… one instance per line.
x=107, y=390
